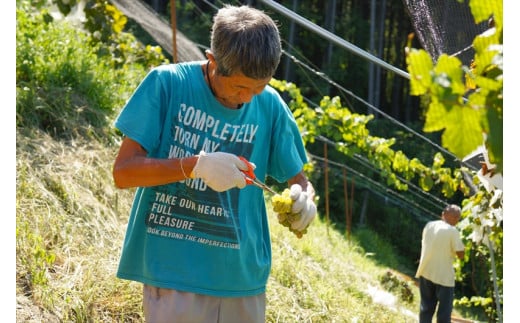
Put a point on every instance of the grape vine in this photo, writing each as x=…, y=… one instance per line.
x=466, y=103
x=348, y=130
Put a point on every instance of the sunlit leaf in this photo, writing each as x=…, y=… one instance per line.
x=118, y=19
x=495, y=138
x=426, y=182
x=438, y=161
x=469, y=74
x=420, y=65
x=482, y=10
x=488, y=84
x=400, y=162
x=435, y=116
x=451, y=67
x=464, y=132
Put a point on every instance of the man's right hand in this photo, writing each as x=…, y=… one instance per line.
x=220, y=171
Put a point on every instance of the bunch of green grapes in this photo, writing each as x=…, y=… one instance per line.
x=282, y=205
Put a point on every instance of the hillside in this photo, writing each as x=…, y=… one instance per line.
x=71, y=215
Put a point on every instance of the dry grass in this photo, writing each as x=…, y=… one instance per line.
x=70, y=227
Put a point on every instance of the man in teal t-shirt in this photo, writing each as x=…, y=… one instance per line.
x=198, y=236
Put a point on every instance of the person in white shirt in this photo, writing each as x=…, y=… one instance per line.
x=441, y=243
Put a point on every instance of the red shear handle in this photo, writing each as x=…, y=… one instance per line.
x=250, y=173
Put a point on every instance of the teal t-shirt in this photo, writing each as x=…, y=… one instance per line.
x=184, y=235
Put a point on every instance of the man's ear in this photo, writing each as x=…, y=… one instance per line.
x=210, y=56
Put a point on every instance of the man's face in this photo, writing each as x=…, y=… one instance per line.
x=452, y=217
x=237, y=89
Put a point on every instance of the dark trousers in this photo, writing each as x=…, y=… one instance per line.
x=431, y=295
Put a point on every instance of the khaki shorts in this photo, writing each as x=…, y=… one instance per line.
x=161, y=305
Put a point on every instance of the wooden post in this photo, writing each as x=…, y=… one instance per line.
x=347, y=212
x=326, y=185
x=173, y=18
x=349, y=223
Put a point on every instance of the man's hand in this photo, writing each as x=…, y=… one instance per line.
x=303, y=205
x=220, y=171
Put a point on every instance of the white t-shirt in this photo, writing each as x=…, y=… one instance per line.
x=440, y=242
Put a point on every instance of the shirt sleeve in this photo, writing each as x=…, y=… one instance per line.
x=142, y=117
x=458, y=245
x=288, y=148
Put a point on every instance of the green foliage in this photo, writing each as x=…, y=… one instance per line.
x=351, y=136
x=473, y=94
x=392, y=283
x=482, y=225
x=377, y=247
x=194, y=20
x=58, y=92
x=35, y=268
x=467, y=104
x=46, y=65
x=105, y=24
x=400, y=228
x=485, y=303
x=104, y=19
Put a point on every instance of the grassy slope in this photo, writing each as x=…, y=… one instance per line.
x=70, y=226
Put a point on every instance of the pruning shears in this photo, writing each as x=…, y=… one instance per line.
x=251, y=177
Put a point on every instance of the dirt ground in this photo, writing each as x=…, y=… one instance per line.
x=28, y=312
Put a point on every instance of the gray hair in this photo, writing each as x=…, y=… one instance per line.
x=452, y=209
x=245, y=40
